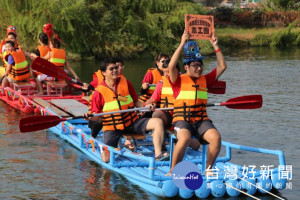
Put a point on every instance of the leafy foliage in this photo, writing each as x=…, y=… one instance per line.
x=102, y=27
x=285, y=38
x=283, y=4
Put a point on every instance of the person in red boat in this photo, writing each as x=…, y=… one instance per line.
x=17, y=69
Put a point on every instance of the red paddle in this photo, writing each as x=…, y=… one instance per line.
x=218, y=87
x=243, y=102
x=50, y=69
x=35, y=123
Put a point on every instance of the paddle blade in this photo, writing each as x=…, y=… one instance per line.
x=244, y=102
x=218, y=87
x=48, y=68
x=36, y=123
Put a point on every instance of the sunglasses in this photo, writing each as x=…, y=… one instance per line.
x=162, y=61
x=112, y=68
x=197, y=66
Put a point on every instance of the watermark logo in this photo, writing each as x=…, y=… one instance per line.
x=186, y=175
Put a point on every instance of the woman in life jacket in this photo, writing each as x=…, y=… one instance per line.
x=57, y=56
x=42, y=50
x=11, y=36
x=152, y=77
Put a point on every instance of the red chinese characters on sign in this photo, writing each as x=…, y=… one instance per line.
x=199, y=26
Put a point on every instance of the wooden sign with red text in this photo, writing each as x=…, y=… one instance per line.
x=199, y=26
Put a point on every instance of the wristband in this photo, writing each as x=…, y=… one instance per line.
x=218, y=50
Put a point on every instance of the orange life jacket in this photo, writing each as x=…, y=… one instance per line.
x=190, y=103
x=20, y=70
x=112, y=103
x=166, y=98
x=58, y=57
x=5, y=53
x=121, y=75
x=44, y=50
x=156, y=78
x=4, y=56
x=1, y=46
x=100, y=78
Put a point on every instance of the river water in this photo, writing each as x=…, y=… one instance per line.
x=39, y=165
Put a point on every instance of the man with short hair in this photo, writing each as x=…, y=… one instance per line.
x=190, y=97
x=117, y=93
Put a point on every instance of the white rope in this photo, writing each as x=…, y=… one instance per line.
x=261, y=189
x=242, y=191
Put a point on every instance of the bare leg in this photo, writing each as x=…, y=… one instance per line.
x=213, y=137
x=161, y=115
x=5, y=82
x=183, y=140
x=157, y=127
x=104, y=157
x=39, y=85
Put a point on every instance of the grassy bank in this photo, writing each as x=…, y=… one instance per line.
x=280, y=37
x=253, y=37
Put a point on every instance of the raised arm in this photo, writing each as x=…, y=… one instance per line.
x=172, y=65
x=220, y=58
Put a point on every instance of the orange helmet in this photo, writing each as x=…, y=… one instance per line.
x=12, y=29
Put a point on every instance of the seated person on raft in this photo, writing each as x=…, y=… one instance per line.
x=17, y=69
x=117, y=93
x=96, y=125
x=190, y=96
x=163, y=97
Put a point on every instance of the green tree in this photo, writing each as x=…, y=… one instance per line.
x=102, y=27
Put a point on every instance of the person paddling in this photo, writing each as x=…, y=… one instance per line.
x=96, y=125
x=190, y=94
x=117, y=93
x=57, y=56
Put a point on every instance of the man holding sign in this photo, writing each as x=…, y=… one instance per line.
x=190, y=93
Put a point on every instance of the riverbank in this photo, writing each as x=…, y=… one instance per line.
x=254, y=37
x=237, y=37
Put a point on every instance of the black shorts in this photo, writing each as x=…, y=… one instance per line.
x=197, y=129
x=169, y=119
x=111, y=138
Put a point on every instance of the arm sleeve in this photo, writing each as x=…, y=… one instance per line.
x=148, y=77
x=176, y=86
x=211, y=78
x=97, y=103
x=132, y=92
x=10, y=60
x=157, y=92
x=94, y=82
